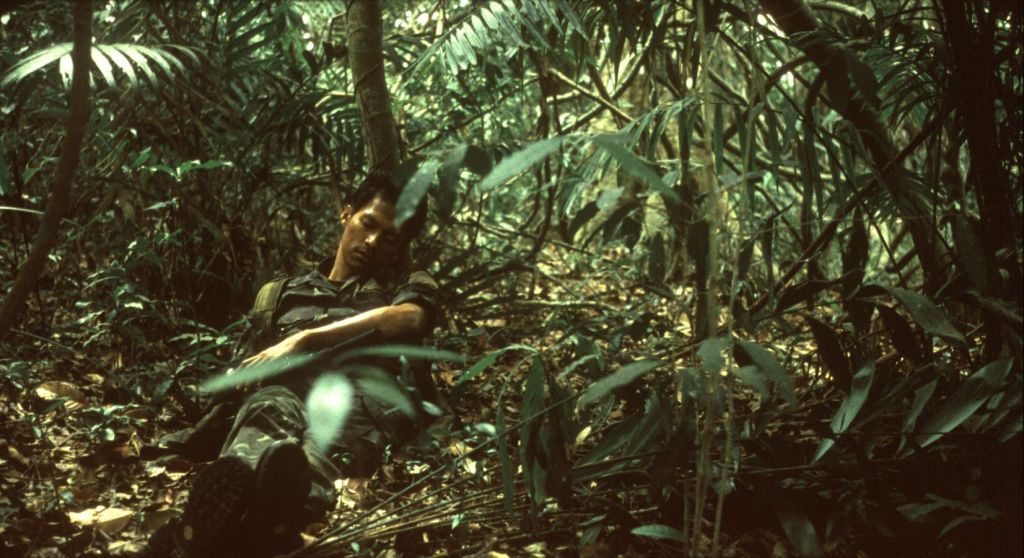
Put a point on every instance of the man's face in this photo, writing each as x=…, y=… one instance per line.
x=370, y=240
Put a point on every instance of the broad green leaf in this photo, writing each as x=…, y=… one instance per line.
x=256, y=373
x=927, y=315
x=519, y=161
x=799, y=292
x=903, y=337
x=448, y=181
x=831, y=352
x=404, y=171
x=383, y=387
x=753, y=377
x=634, y=166
x=859, y=390
x=771, y=368
x=413, y=192
x=328, y=406
x=651, y=429
x=921, y=397
x=141, y=158
x=616, y=437
x=797, y=525
x=710, y=353
x=530, y=429
x=967, y=399
x=621, y=377
x=490, y=359
x=659, y=531
x=533, y=391
x=408, y=351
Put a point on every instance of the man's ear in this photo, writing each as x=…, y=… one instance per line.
x=346, y=214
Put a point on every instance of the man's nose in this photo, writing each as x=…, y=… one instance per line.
x=372, y=239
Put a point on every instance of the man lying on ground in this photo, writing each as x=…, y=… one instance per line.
x=269, y=480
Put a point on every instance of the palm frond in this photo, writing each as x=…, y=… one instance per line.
x=105, y=58
x=519, y=24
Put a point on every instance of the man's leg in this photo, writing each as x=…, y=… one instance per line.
x=257, y=496
x=277, y=414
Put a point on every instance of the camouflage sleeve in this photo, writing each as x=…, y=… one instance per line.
x=419, y=287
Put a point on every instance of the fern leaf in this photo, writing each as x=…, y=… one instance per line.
x=492, y=24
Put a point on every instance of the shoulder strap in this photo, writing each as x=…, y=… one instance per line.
x=266, y=302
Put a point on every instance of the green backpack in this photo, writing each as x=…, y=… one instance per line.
x=262, y=314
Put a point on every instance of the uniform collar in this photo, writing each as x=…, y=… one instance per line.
x=327, y=264
x=323, y=271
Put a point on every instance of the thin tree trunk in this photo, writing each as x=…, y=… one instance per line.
x=797, y=21
x=972, y=48
x=60, y=193
x=366, y=58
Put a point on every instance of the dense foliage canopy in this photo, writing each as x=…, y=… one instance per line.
x=729, y=277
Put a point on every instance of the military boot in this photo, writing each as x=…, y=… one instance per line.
x=218, y=503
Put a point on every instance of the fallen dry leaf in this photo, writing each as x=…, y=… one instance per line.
x=49, y=391
x=108, y=520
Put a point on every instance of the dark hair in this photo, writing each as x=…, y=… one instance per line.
x=379, y=185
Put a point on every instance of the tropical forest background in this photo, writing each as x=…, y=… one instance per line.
x=721, y=277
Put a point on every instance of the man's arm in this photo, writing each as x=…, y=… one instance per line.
x=399, y=322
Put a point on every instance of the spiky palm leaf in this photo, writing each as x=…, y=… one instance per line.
x=499, y=22
x=104, y=58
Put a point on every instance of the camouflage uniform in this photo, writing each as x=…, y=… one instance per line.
x=277, y=412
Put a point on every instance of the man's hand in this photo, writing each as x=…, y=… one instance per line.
x=289, y=346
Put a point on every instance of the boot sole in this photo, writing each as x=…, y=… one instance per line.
x=216, y=507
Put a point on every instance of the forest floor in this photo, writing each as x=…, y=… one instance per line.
x=76, y=421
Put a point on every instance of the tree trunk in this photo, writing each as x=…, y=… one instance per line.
x=366, y=58
x=60, y=193
x=797, y=21
x=974, y=79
